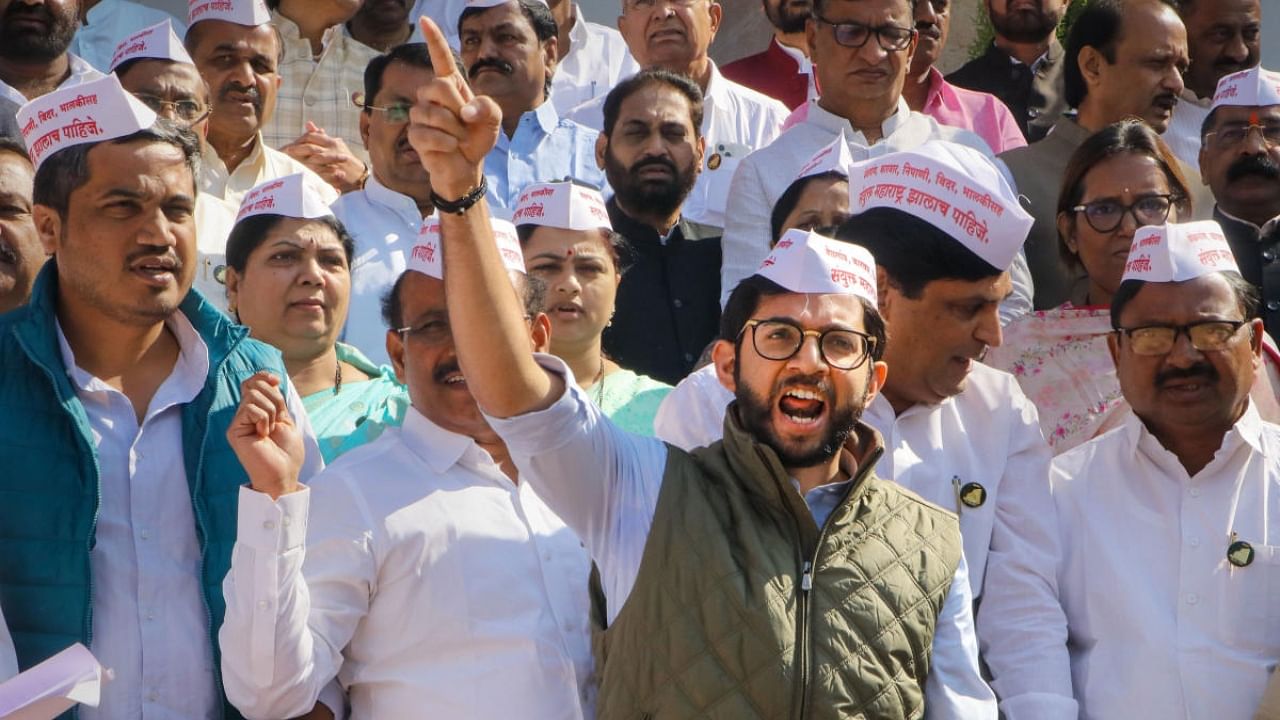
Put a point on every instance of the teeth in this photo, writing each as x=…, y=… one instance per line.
x=804, y=394
x=801, y=421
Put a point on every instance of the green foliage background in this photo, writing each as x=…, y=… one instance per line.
x=982, y=39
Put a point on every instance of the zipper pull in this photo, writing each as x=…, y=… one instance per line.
x=806, y=579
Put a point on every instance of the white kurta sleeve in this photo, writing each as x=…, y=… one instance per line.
x=955, y=689
x=692, y=414
x=1019, y=302
x=1022, y=628
x=284, y=631
x=602, y=481
x=746, y=230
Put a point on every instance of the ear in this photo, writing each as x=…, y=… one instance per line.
x=717, y=14
x=1091, y=63
x=366, y=117
x=1256, y=332
x=395, y=351
x=883, y=301
x=810, y=34
x=551, y=54
x=48, y=226
x=602, y=146
x=1113, y=345
x=233, y=287
x=725, y=358
x=540, y=333
x=875, y=381
x=700, y=148
x=1204, y=179
x=1067, y=231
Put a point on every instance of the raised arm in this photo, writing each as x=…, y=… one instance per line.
x=452, y=130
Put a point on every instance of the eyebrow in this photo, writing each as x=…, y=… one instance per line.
x=793, y=321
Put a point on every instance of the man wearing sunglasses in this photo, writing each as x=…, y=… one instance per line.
x=153, y=65
x=862, y=51
x=1240, y=161
x=1171, y=522
x=384, y=217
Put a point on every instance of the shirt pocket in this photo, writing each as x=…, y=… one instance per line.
x=718, y=166
x=1250, y=610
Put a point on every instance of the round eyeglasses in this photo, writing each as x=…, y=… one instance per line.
x=781, y=340
x=187, y=112
x=1105, y=216
x=1207, y=336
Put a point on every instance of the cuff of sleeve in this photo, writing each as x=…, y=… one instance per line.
x=272, y=526
x=1039, y=706
x=542, y=430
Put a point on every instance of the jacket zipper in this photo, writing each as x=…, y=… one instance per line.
x=808, y=570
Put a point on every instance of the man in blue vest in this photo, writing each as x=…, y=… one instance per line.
x=119, y=489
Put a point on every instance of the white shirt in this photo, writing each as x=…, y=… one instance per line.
x=214, y=219
x=81, y=72
x=1010, y=541
x=990, y=434
x=765, y=174
x=736, y=120
x=263, y=163
x=150, y=622
x=109, y=22
x=385, y=226
x=1183, y=134
x=421, y=577
x=598, y=60
x=444, y=13
x=1161, y=624
x=605, y=482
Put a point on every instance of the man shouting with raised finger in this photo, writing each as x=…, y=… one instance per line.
x=771, y=574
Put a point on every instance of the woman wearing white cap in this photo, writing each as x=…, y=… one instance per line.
x=569, y=245
x=289, y=282
x=1122, y=178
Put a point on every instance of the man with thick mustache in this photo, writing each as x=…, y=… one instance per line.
x=237, y=51
x=1240, y=161
x=839, y=582
x=1124, y=58
x=782, y=70
x=421, y=570
x=21, y=254
x=1223, y=37
x=385, y=216
x=1024, y=65
x=509, y=48
x=34, y=37
x=668, y=304
x=118, y=387
x=1171, y=522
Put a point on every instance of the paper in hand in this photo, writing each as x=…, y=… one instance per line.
x=51, y=688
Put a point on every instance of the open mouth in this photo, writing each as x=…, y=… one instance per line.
x=802, y=407
x=567, y=311
x=156, y=271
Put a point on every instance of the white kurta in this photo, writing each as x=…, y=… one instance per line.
x=598, y=60
x=1161, y=625
x=262, y=164
x=605, y=482
x=421, y=577
x=81, y=72
x=989, y=434
x=384, y=225
x=109, y=23
x=214, y=219
x=764, y=175
x=1183, y=134
x=736, y=121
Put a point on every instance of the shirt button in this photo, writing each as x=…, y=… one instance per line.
x=1194, y=542
x=145, y=534
x=153, y=696
x=310, y=101
x=568, y=627
x=263, y=604
x=1033, y=113
x=1192, y=599
x=1268, y=255
x=1195, y=492
x=678, y=303
x=1273, y=305
x=688, y=357
x=286, y=521
x=269, y=525
x=150, y=615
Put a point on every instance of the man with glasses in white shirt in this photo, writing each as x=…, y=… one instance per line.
x=1171, y=522
x=385, y=216
x=862, y=51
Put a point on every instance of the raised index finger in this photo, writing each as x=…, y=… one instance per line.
x=441, y=56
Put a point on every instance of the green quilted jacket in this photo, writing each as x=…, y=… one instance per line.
x=744, y=608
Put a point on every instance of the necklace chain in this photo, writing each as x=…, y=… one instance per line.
x=600, y=384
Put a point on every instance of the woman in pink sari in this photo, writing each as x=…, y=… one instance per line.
x=1122, y=178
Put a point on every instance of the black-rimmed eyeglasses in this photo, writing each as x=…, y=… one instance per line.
x=855, y=34
x=1106, y=215
x=781, y=340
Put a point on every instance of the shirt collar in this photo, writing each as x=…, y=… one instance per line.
x=717, y=88
x=295, y=44
x=803, y=64
x=1259, y=231
x=256, y=158
x=1189, y=96
x=399, y=203
x=830, y=121
x=577, y=33
x=933, y=95
x=440, y=449
x=546, y=116
x=1248, y=429
x=190, y=371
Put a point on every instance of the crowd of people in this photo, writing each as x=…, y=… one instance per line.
x=375, y=361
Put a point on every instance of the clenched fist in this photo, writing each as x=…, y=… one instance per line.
x=265, y=438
